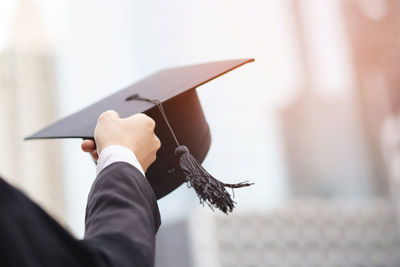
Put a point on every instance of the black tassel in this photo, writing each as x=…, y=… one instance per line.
x=209, y=190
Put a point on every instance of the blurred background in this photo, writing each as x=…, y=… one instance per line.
x=314, y=122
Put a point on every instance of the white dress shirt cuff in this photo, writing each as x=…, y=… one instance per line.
x=116, y=153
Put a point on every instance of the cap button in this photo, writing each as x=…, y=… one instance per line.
x=180, y=150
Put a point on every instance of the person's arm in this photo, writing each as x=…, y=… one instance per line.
x=121, y=202
x=122, y=214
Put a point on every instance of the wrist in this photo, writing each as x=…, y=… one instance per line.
x=117, y=153
x=106, y=145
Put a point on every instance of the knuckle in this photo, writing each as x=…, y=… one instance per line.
x=150, y=122
x=157, y=143
x=101, y=117
x=106, y=115
x=140, y=116
x=145, y=120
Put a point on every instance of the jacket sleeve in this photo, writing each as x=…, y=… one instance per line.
x=122, y=216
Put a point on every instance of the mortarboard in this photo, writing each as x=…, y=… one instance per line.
x=170, y=98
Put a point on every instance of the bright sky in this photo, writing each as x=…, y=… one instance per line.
x=7, y=10
x=54, y=19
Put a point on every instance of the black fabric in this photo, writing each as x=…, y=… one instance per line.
x=122, y=201
x=121, y=222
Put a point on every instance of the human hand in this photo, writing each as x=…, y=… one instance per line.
x=90, y=147
x=135, y=133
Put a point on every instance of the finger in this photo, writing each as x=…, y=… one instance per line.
x=88, y=145
x=108, y=114
x=144, y=119
x=94, y=155
x=157, y=142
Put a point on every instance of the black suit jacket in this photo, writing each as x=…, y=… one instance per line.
x=122, y=219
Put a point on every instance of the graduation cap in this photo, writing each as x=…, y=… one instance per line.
x=170, y=98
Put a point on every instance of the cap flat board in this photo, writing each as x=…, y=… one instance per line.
x=163, y=85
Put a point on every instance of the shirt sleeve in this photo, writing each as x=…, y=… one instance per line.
x=117, y=153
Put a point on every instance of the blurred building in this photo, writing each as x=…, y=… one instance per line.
x=27, y=100
x=301, y=233
x=325, y=149
x=373, y=29
x=333, y=146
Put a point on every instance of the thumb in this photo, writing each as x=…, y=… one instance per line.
x=88, y=145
